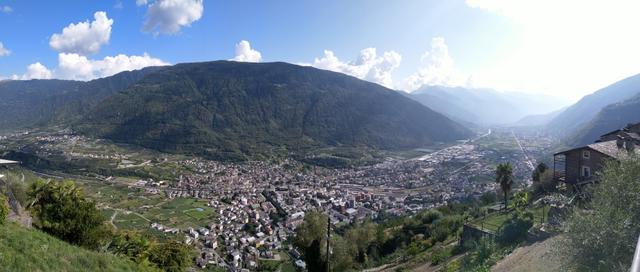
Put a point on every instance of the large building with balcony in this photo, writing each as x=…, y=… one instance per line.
x=578, y=166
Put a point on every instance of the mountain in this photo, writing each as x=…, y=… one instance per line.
x=577, y=116
x=484, y=106
x=612, y=117
x=538, y=119
x=247, y=108
x=33, y=103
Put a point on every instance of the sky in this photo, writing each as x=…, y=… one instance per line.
x=566, y=48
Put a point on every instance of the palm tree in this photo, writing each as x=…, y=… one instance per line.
x=504, y=177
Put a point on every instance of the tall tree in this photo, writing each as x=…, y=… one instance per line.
x=540, y=169
x=504, y=177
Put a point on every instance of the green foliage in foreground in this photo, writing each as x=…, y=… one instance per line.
x=31, y=250
x=61, y=210
x=4, y=209
x=603, y=236
x=370, y=244
x=172, y=256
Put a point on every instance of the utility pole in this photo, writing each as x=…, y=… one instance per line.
x=328, y=239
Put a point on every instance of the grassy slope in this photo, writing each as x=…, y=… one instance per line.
x=31, y=250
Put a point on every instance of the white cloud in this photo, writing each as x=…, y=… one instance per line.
x=77, y=67
x=6, y=9
x=36, y=71
x=84, y=37
x=368, y=66
x=437, y=68
x=567, y=47
x=4, y=51
x=141, y=2
x=168, y=16
x=245, y=53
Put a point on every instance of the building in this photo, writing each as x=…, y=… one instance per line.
x=578, y=166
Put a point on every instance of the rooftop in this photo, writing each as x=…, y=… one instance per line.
x=610, y=148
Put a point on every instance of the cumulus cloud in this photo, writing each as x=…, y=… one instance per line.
x=368, y=66
x=437, y=68
x=36, y=71
x=245, y=53
x=78, y=67
x=84, y=37
x=4, y=51
x=168, y=16
x=141, y=2
x=6, y=9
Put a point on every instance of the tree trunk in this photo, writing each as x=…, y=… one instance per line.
x=505, y=200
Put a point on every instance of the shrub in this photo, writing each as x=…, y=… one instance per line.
x=515, y=229
x=132, y=245
x=4, y=209
x=61, y=210
x=171, y=256
x=603, y=236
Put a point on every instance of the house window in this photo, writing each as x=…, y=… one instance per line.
x=586, y=171
x=586, y=154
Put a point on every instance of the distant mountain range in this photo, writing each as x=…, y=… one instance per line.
x=605, y=110
x=612, y=117
x=577, y=116
x=485, y=106
x=229, y=109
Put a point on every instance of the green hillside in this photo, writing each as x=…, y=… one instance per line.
x=31, y=250
x=244, y=109
x=612, y=117
x=577, y=116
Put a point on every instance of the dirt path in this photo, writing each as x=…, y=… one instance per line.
x=539, y=256
x=113, y=217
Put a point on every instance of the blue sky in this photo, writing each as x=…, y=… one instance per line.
x=476, y=43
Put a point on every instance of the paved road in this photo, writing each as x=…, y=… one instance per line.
x=526, y=157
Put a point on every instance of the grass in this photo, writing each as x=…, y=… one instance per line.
x=287, y=263
x=492, y=222
x=31, y=250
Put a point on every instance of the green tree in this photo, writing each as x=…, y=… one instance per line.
x=311, y=239
x=602, y=237
x=504, y=177
x=132, y=245
x=541, y=168
x=520, y=201
x=171, y=256
x=4, y=209
x=61, y=210
x=313, y=257
x=545, y=184
x=361, y=236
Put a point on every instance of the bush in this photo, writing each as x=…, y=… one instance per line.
x=429, y=216
x=439, y=255
x=515, y=229
x=603, y=237
x=4, y=209
x=481, y=257
x=171, y=256
x=61, y=210
x=132, y=245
